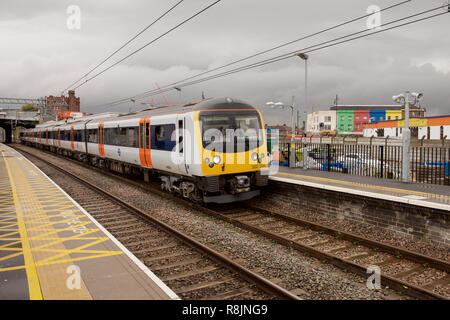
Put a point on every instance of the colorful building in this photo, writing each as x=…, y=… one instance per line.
x=360, y=117
x=350, y=119
x=393, y=115
x=430, y=128
x=345, y=121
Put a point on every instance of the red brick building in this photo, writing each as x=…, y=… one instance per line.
x=63, y=103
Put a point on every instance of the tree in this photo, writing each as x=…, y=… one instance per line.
x=29, y=107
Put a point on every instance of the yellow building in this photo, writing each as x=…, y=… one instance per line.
x=393, y=114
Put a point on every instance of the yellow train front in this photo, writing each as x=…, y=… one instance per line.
x=233, y=151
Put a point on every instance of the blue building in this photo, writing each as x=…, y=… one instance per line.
x=377, y=115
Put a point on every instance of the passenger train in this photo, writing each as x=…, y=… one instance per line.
x=213, y=151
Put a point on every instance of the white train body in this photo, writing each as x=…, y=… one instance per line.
x=174, y=144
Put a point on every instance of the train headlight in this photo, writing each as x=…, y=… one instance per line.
x=207, y=160
x=254, y=156
x=216, y=159
x=211, y=164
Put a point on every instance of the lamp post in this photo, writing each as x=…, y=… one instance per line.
x=134, y=105
x=305, y=57
x=179, y=90
x=292, y=143
x=408, y=99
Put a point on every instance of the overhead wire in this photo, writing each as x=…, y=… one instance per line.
x=284, y=44
x=124, y=45
x=149, y=43
x=309, y=49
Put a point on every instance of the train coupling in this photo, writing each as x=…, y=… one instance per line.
x=240, y=184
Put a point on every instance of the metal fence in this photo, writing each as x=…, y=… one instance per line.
x=428, y=164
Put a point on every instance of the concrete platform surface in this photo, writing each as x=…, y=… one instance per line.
x=51, y=248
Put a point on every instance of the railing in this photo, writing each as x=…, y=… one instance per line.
x=428, y=164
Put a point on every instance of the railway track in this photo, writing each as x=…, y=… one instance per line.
x=402, y=270
x=190, y=269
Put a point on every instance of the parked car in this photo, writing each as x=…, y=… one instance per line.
x=358, y=159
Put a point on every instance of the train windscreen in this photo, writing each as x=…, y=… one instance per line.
x=231, y=131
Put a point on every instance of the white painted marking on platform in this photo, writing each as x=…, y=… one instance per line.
x=414, y=197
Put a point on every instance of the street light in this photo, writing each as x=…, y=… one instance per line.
x=134, y=105
x=305, y=57
x=407, y=98
x=292, y=146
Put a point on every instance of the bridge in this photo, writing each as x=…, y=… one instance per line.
x=12, y=118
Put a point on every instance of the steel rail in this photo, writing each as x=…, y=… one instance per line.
x=261, y=282
x=396, y=284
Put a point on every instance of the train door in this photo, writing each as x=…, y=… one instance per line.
x=144, y=143
x=72, y=138
x=181, y=142
x=101, y=140
x=59, y=137
x=46, y=136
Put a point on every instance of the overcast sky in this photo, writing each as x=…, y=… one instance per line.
x=41, y=56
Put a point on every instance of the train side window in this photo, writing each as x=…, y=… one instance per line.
x=141, y=136
x=92, y=135
x=80, y=135
x=107, y=139
x=131, y=137
x=112, y=136
x=162, y=137
x=147, y=135
x=128, y=137
x=180, y=136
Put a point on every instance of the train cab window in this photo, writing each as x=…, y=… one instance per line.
x=231, y=132
x=163, y=137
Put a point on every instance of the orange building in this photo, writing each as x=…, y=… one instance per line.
x=422, y=128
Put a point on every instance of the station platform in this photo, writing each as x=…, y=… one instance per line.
x=418, y=194
x=51, y=248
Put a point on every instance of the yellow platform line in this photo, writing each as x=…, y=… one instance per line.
x=30, y=267
x=357, y=184
x=12, y=268
x=76, y=250
x=10, y=243
x=11, y=256
x=79, y=237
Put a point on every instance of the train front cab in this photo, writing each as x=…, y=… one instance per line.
x=232, y=170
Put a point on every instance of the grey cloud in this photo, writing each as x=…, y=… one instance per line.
x=41, y=57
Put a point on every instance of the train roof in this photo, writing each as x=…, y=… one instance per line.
x=204, y=105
